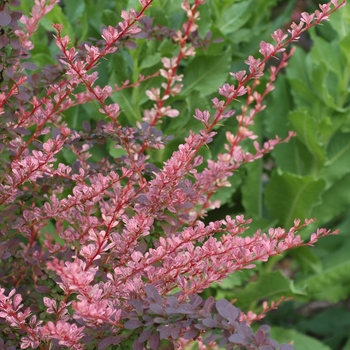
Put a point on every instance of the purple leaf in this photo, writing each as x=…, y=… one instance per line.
x=159, y=320
x=29, y=65
x=22, y=96
x=15, y=3
x=22, y=131
x=42, y=289
x=191, y=334
x=228, y=311
x=5, y=18
x=133, y=324
x=165, y=331
x=9, y=72
x=175, y=333
x=237, y=339
x=156, y=308
x=152, y=292
x=186, y=309
x=154, y=341
x=145, y=335
x=137, y=345
x=287, y=347
x=105, y=342
x=86, y=126
x=4, y=40
x=209, y=323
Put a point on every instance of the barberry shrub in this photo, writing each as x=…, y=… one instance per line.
x=112, y=251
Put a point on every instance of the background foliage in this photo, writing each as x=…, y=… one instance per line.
x=307, y=177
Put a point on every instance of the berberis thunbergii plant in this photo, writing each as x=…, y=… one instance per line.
x=111, y=252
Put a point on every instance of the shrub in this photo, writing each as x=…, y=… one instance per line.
x=113, y=251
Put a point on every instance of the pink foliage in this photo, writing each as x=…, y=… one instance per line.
x=119, y=231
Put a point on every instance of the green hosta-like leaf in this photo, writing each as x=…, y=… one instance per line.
x=109, y=17
x=270, y=285
x=300, y=341
x=293, y=157
x=290, y=196
x=338, y=154
x=74, y=9
x=275, y=116
x=150, y=61
x=298, y=77
x=333, y=283
x=234, y=17
x=307, y=259
x=334, y=201
x=205, y=74
x=252, y=189
x=306, y=127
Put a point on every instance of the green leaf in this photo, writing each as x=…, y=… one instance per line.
x=290, y=196
x=42, y=59
x=298, y=76
x=206, y=74
x=306, y=258
x=57, y=16
x=252, y=189
x=150, y=61
x=306, y=127
x=234, y=17
x=74, y=9
x=109, y=17
x=334, y=201
x=293, y=157
x=275, y=116
x=338, y=154
x=270, y=285
x=300, y=341
x=333, y=283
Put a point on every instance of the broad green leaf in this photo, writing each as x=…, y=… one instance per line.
x=74, y=9
x=299, y=340
x=205, y=21
x=42, y=59
x=270, y=285
x=234, y=17
x=338, y=154
x=333, y=282
x=206, y=74
x=110, y=18
x=328, y=54
x=332, y=324
x=307, y=260
x=347, y=345
x=338, y=163
x=341, y=22
x=279, y=106
x=325, y=84
x=289, y=196
x=252, y=187
x=306, y=127
x=150, y=61
x=293, y=157
x=298, y=72
x=334, y=202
